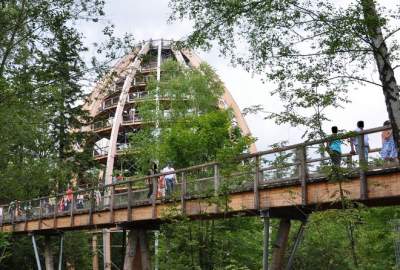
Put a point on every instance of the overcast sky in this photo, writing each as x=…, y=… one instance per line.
x=148, y=19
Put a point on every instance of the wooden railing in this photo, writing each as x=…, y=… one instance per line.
x=298, y=163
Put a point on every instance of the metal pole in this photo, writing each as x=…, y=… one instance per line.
x=296, y=244
x=156, y=235
x=60, y=258
x=265, y=216
x=36, y=252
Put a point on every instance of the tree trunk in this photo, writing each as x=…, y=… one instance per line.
x=386, y=74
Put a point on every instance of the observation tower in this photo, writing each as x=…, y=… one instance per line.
x=114, y=100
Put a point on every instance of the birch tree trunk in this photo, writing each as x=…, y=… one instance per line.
x=386, y=73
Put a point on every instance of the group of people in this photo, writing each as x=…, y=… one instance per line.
x=165, y=183
x=388, y=151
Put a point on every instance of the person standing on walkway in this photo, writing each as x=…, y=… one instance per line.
x=388, y=151
x=354, y=143
x=152, y=171
x=335, y=148
x=169, y=178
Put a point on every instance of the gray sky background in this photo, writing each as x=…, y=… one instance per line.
x=148, y=19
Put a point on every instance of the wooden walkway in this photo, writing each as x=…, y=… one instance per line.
x=292, y=188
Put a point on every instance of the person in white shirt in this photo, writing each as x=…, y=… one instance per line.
x=354, y=144
x=169, y=179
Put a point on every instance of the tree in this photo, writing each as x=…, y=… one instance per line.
x=300, y=44
x=186, y=127
x=41, y=75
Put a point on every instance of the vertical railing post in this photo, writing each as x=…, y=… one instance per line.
x=91, y=206
x=363, y=163
x=302, y=165
x=40, y=213
x=72, y=209
x=256, y=183
x=112, y=202
x=216, y=179
x=349, y=161
x=55, y=212
x=129, y=202
x=183, y=193
x=154, y=199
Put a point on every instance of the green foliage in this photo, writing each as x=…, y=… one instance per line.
x=234, y=243
x=313, y=51
x=186, y=127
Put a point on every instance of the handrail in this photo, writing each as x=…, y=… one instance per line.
x=185, y=172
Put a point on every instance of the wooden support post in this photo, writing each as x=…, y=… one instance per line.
x=107, y=249
x=136, y=255
x=302, y=160
x=279, y=249
x=265, y=217
x=48, y=254
x=256, y=183
x=144, y=251
x=129, y=202
x=183, y=193
x=95, y=257
x=130, y=250
x=363, y=163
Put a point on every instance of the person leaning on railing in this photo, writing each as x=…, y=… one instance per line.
x=335, y=148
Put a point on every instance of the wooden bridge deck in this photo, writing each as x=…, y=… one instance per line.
x=282, y=198
x=297, y=192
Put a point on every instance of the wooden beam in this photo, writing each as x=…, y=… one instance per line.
x=95, y=257
x=280, y=245
x=118, y=112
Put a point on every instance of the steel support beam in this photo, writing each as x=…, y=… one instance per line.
x=60, y=258
x=296, y=244
x=35, y=249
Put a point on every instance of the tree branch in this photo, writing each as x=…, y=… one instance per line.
x=354, y=78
